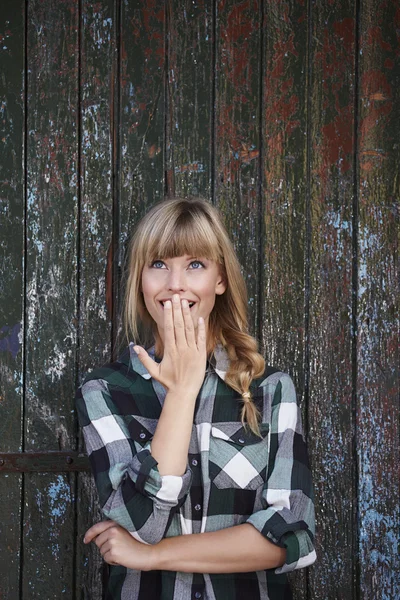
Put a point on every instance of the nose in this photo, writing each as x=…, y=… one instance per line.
x=177, y=281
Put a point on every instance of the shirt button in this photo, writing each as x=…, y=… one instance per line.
x=142, y=436
x=241, y=441
x=197, y=507
x=194, y=462
x=198, y=595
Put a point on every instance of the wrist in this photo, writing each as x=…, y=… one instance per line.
x=183, y=392
x=156, y=557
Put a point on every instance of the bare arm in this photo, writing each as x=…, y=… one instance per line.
x=239, y=549
x=181, y=371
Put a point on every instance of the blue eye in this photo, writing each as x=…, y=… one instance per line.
x=195, y=264
x=157, y=264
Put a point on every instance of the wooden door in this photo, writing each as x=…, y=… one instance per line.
x=286, y=115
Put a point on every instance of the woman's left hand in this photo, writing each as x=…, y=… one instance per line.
x=118, y=547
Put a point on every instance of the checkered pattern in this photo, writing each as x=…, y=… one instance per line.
x=232, y=476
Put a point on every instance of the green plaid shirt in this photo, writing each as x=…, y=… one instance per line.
x=232, y=476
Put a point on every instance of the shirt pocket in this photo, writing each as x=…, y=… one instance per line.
x=238, y=458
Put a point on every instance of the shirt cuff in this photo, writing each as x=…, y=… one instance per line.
x=286, y=532
x=166, y=491
x=300, y=551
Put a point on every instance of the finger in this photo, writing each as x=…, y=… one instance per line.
x=96, y=530
x=107, y=556
x=169, y=334
x=201, y=336
x=179, y=325
x=189, y=325
x=105, y=550
x=104, y=537
x=146, y=360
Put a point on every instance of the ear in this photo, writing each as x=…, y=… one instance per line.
x=220, y=286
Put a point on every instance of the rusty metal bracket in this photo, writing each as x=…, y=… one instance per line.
x=46, y=462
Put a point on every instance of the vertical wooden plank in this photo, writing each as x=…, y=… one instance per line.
x=97, y=97
x=284, y=193
x=378, y=296
x=284, y=173
x=332, y=58
x=284, y=128
x=237, y=135
x=51, y=291
x=142, y=98
x=11, y=283
x=189, y=98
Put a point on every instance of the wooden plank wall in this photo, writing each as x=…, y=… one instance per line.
x=286, y=115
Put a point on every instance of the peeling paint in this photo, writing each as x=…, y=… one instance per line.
x=11, y=341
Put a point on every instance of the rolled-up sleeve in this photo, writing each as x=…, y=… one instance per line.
x=131, y=490
x=288, y=517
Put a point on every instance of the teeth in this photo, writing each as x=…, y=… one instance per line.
x=190, y=303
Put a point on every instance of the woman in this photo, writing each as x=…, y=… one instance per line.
x=190, y=433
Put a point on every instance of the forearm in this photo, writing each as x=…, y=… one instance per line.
x=170, y=444
x=238, y=549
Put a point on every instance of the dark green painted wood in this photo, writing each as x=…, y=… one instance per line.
x=52, y=172
x=189, y=97
x=331, y=427
x=11, y=283
x=142, y=98
x=97, y=97
x=284, y=172
x=48, y=545
x=91, y=571
x=237, y=136
x=378, y=300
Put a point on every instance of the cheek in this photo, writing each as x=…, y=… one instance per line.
x=147, y=288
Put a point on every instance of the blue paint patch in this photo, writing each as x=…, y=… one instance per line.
x=59, y=499
x=10, y=343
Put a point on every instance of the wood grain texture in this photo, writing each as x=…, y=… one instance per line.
x=331, y=427
x=11, y=283
x=189, y=97
x=142, y=97
x=91, y=571
x=48, y=535
x=237, y=136
x=378, y=300
x=52, y=171
x=284, y=184
x=97, y=97
x=253, y=105
x=284, y=172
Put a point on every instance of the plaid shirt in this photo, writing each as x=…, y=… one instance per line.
x=232, y=476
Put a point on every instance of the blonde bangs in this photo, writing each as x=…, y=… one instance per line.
x=190, y=234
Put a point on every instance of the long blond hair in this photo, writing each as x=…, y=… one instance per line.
x=176, y=227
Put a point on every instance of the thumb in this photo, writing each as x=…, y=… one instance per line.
x=146, y=360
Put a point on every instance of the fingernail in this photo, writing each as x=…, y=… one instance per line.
x=201, y=320
x=175, y=297
x=136, y=349
x=84, y=540
x=167, y=304
x=185, y=303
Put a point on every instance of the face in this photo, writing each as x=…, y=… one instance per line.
x=196, y=279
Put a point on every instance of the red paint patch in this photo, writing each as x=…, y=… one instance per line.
x=345, y=30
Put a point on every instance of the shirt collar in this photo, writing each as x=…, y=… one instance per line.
x=218, y=362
